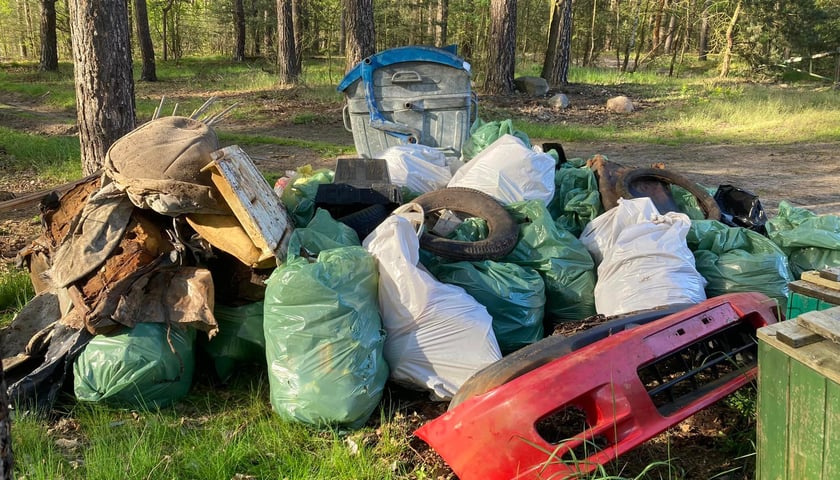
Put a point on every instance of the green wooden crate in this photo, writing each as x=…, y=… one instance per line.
x=807, y=297
x=798, y=407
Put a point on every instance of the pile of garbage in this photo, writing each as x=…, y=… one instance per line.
x=419, y=265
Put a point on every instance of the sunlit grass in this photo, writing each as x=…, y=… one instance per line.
x=55, y=157
x=15, y=290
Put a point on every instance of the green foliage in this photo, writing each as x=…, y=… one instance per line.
x=15, y=290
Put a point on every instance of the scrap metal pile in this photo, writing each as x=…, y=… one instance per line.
x=443, y=260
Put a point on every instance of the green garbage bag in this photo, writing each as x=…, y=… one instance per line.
x=564, y=263
x=136, y=367
x=576, y=199
x=482, y=134
x=240, y=338
x=322, y=233
x=811, y=241
x=514, y=296
x=299, y=196
x=734, y=259
x=324, y=338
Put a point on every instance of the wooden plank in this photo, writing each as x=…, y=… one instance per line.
x=252, y=200
x=831, y=273
x=806, y=423
x=817, y=291
x=823, y=356
x=825, y=323
x=795, y=335
x=831, y=469
x=817, y=278
x=773, y=412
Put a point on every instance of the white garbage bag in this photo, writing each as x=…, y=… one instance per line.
x=437, y=334
x=419, y=168
x=646, y=260
x=509, y=171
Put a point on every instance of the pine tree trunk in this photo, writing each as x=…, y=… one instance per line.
x=287, y=72
x=442, y=16
x=268, y=35
x=361, y=36
x=297, y=28
x=703, y=44
x=144, y=38
x=103, y=77
x=49, y=40
x=730, y=41
x=239, y=26
x=501, y=45
x=553, y=36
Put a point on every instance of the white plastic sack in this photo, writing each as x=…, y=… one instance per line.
x=646, y=262
x=509, y=171
x=438, y=335
x=420, y=168
x=601, y=233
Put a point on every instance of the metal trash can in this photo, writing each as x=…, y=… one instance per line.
x=409, y=95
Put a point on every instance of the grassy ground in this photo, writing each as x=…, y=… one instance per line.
x=230, y=432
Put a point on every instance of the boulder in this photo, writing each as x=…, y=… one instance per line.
x=533, y=86
x=620, y=104
x=559, y=101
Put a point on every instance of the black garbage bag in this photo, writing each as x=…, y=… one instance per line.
x=740, y=208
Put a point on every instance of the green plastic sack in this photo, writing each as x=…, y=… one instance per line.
x=576, y=199
x=240, y=338
x=482, y=134
x=734, y=259
x=324, y=338
x=322, y=233
x=136, y=367
x=514, y=297
x=811, y=241
x=564, y=263
x=299, y=196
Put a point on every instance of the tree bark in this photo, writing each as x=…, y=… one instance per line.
x=7, y=459
x=703, y=43
x=730, y=41
x=297, y=28
x=562, y=57
x=268, y=34
x=361, y=36
x=555, y=15
x=287, y=72
x=144, y=37
x=103, y=77
x=164, y=10
x=501, y=48
x=239, y=26
x=442, y=23
x=49, y=40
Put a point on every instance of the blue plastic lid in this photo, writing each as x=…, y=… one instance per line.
x=445, y=56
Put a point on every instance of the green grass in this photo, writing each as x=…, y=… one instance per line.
x=323, y=148
x=215, y=433
x=15, y=290
x=55, y=157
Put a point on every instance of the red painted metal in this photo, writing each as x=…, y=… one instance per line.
x=495, y=435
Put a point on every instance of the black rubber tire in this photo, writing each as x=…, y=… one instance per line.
x=706, y=202
x=551, y=348
x=503, y=232
x=365, y=220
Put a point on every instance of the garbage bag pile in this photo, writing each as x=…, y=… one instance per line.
x=180, y=250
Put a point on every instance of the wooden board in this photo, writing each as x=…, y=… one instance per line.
x=817, y=291
x=817, y=278
x=798, y=434
x=825, y=323
x=831, y=273
x=822, y=356
x=253, y=202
